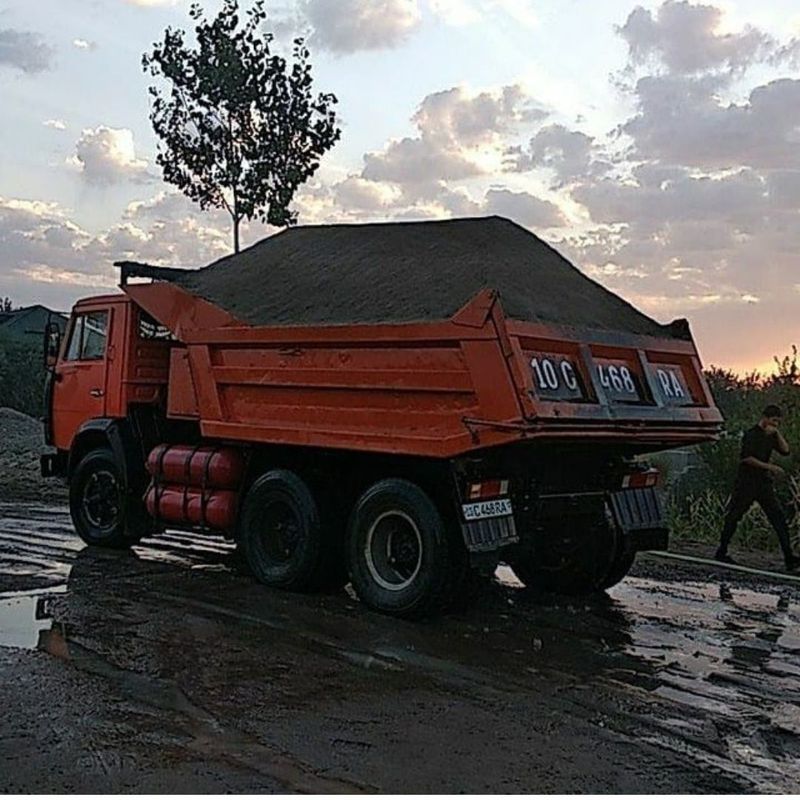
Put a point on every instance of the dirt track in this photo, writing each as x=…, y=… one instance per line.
x=168, y=669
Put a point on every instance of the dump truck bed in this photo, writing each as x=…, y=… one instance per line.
x=536, y=351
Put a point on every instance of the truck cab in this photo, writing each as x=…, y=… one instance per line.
x=112, y=360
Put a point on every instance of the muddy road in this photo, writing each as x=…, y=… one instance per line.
x=170, y=669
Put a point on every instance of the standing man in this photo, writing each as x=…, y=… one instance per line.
x=754, y=484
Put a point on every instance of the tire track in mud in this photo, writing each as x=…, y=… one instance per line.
x=208, y=737
x=653, y=726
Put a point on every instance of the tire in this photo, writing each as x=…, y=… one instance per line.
x=401, y=558
x=101, y=512
x=467, y=588
x=281, y=535
x=619, y=569
x=580, y=560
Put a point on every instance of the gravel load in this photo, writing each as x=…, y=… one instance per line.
x=408, y=271
x=21, y=444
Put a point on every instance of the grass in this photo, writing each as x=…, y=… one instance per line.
x=701, y=519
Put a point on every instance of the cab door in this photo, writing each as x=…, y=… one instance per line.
x=80, y=376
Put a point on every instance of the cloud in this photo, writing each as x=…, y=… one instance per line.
x=56, y=124
x=457, y=118
x=568, y=153
x=461, y=137
x=417, y=160
x=521, y=11
x=658, y=197
x=107, y=156
x=347, y=26
x=688, y=38
x=682, y=121
x=677, y=241
x=25, y=51
x=458, y=135
x=524, y=208
x=360, y=200
x=84, y=44
x=364, y=195
x=48, y=257
x=698, y=211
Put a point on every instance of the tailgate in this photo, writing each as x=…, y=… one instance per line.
x=608, y=377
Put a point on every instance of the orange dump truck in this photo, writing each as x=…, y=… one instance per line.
x=398, y=405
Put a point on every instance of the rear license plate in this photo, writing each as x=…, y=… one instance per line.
x=487, y=509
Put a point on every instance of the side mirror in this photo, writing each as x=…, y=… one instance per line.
x=52, y=344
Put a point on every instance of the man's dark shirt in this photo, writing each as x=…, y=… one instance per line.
x=758, y=444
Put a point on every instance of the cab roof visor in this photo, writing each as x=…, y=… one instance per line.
x=135, y=269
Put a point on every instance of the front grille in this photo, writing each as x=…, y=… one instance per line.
x=489, y=534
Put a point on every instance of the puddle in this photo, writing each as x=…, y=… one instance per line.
x=22, y=619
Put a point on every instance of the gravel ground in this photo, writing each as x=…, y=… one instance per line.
x=21, y=444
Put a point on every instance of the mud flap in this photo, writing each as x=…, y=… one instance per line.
x=486, y=535
x=638, y=514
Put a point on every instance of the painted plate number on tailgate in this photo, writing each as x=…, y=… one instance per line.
x=555, y=377
x=487, y=509
x=619, y=381
x=672, y=384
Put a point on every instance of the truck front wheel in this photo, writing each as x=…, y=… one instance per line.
x=402, y=559
x=97, y=502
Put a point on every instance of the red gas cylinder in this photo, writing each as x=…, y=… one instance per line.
x=190, y=465
x=214, y=508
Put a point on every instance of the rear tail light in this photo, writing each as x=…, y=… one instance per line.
x=641, y=480
x=484, y=489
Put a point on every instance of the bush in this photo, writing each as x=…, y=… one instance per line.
x=22, y=374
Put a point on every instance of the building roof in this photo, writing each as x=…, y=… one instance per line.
x=29, y=320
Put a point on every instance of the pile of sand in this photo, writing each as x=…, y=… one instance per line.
x=403, y=272
x=21, y=444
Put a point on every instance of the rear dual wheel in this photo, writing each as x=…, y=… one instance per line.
x=402, y=558
x=283, y=540
x=577, y=559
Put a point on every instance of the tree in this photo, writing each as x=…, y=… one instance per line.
x=6, y=304
x=239, y=127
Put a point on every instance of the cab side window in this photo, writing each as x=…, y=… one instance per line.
x=87, y=341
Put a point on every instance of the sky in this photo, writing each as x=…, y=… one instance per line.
x=655, y=144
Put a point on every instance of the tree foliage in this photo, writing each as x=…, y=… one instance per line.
x=240, y=128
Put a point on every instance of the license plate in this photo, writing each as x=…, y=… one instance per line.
x=487, y=509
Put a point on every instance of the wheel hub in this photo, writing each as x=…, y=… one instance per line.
x=281, y=532
x=393, y=550
x=100, y=501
